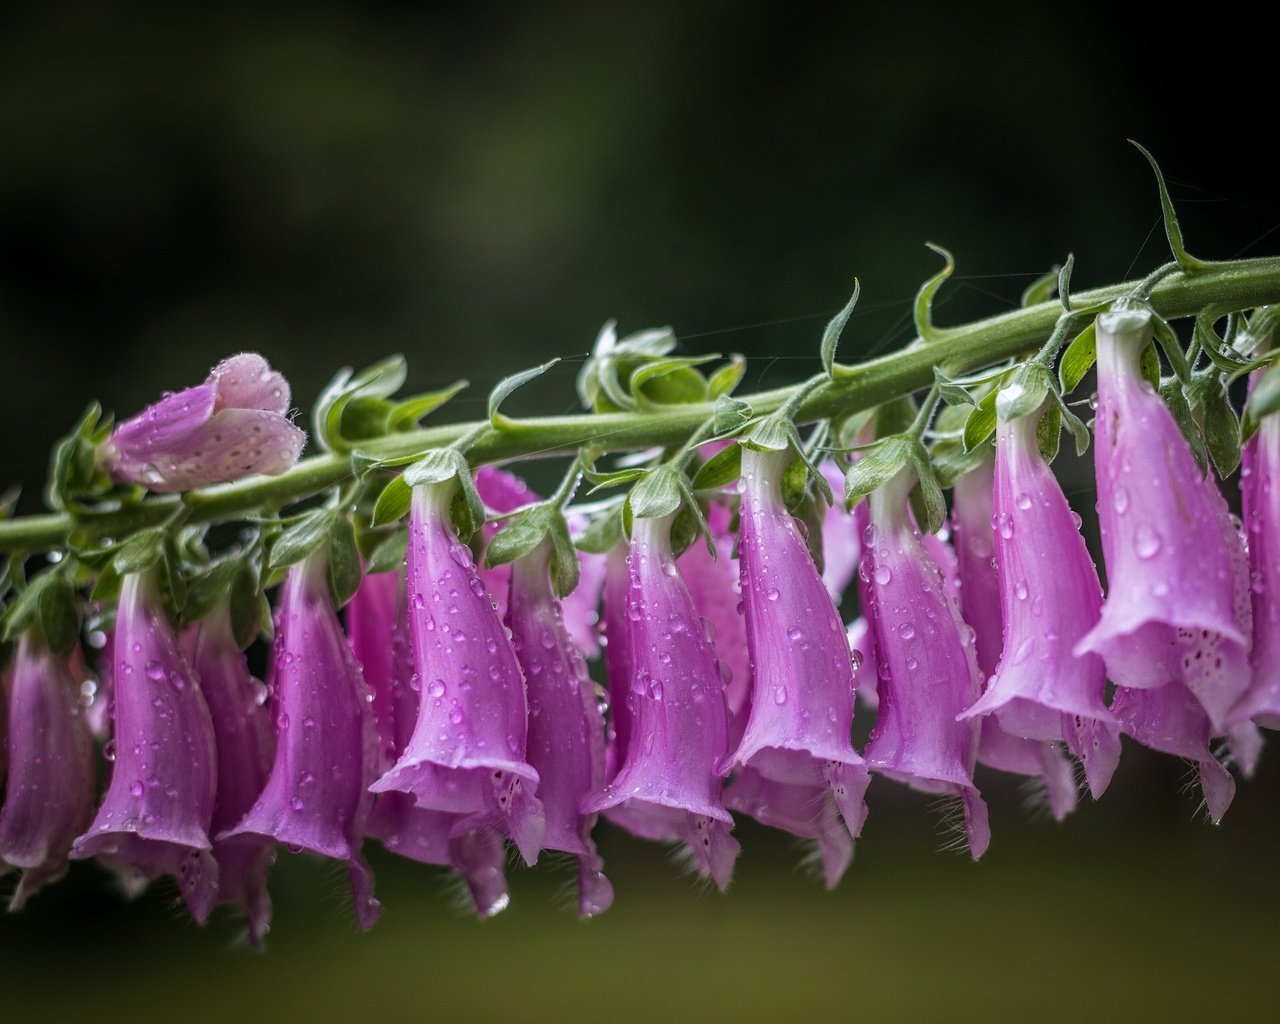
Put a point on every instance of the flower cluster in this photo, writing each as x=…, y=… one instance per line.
x=455, y=711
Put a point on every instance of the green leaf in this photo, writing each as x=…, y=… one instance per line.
x=1075, y=424
x=468, y=509
x=407, y=414
x=657, y=494
x=602, y=533
x=208, y=586
x=1172, y=229
x=831, y=334
x=509, y=384
x=1078, y=359
x=951, y=392
x=1175, y=399
x=1049, y=432
x=728, y=377
x=731, y=415
x=924, y=297
x=248, y=605
x=344, y=560
x=1025, y=392
x=614, y=478
x=771, y=433
x=390, y=554
x=1064, y=282
x=1264, y=401
x=951, y=461
x=722, y=468
x=1221, y=425
x=437, y=466
x=876, y=466
x=140, y=552
x=393, y=503
x=930, y=505
x=1041, y=289
x=670, y=381
x=1150, y=366
x=1172, y=348
x=981, y=423
x=521, y=534
x=379, y=381
x=60, y=612
x=300, y=538
x=565, y=567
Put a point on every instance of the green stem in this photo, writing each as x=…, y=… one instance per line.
x=1237, y=285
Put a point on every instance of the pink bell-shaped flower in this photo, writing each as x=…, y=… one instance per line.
x=467, y=751
x=155, y=818
x=316, y=797
x=233, y=424
x=48, y=796
x=669, y=785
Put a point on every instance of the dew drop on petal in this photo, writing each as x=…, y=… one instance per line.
x=1146, y=541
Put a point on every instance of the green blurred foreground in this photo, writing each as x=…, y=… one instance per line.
x=1127, y=911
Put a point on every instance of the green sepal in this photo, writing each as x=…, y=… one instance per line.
x=379, y=381
x=1172, y=348
x=722, y=468
x=927, y=500
x=726, y=379
x=875, y=467
x=1264, y=401
x=207, y=586
x=614, y=478
x=50, y=601
x=1150, y=366
x=250, y=612
x=1064, y=282
x=1172, y=230
x=74, y=471
x=300, y=538
x=1219, y=421
x=923, y=309
x=603, y=532
x=1049, y=432
x=565, y=567
x=522, y=533
x=1174, y=397
x=657, y=494
x=1079, y=431
x=438, y=466
x=393, y=502
x=672, y=381
x=951, y=392
x=390, y=554
x=406, y=415
x=731, y=415
x=981, y=423
x=831, y=333
x=344, y=560
x=509, y=384
x=1024, y=392
x=951, y=461
x=771, y=433
x=1078, y=359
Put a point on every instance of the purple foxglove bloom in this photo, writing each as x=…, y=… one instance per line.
x=467, y=751
x=804, y=810
x=245, y=749
x=49, y=791
x=566, y=728
x=841, y=538
x=1169, y=719
x=1172, y=613
x=233, y=424
x=928, y=670
x=717, y=594
x=504, y=492
x=803, y=691
x=156, y=815
x=617, y=656
x=862, y=656
x=378, y=628
x=669, y=786
x=1047, y=596
x=316, y=797
x=1260, y=506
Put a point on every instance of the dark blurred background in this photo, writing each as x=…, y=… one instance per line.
x=480, y=188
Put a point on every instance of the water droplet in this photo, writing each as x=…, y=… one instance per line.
x=282, y=720
x=1020, y=589
x=772, y=594
x=1075, y=518
x=869, y=535
x=155, y=671
x=547, y=639
x=261, y=693
x=906, y=631
x=794, y=633
x=1024, y=501
x=456, y=716
x=109, y=750
x=461, y=554
x=1146, y=541
x=1120, y=500
x=912, y=663
x=477, y=586
x=436, y=688
x=418, y=602
x=779, y=694
x=883, y=575
x=1006, y=525
x=296, y=803
x=655, y=690
x=136, y=789
x=855, y=659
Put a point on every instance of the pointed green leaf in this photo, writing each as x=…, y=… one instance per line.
x=1078, y=359
x=1064, y=282
x=407, y=414
x=951, y=392
x=1175, y=399
x=1049, y=432
x=390, y=554
x=393, y=503
x=344, y=560
x=248, y=604
x=300, y=539
x=932, y=511
x=831, y=335
x=519, y=535
x=728, y=377
x=981, y=423
x=1172, y=348
x=731, y=415
x=1264, y=400
x=1079, y=431
x=672, y=381
x=924, y=297
x=1025, y=392
x=1041, y=289
x=657, y=494
x=509, y=384
x=602, y=533
x=722, y=468
x=876, y=466
x=1172, y=229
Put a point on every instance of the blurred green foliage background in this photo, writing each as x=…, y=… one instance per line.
x=480, y=187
